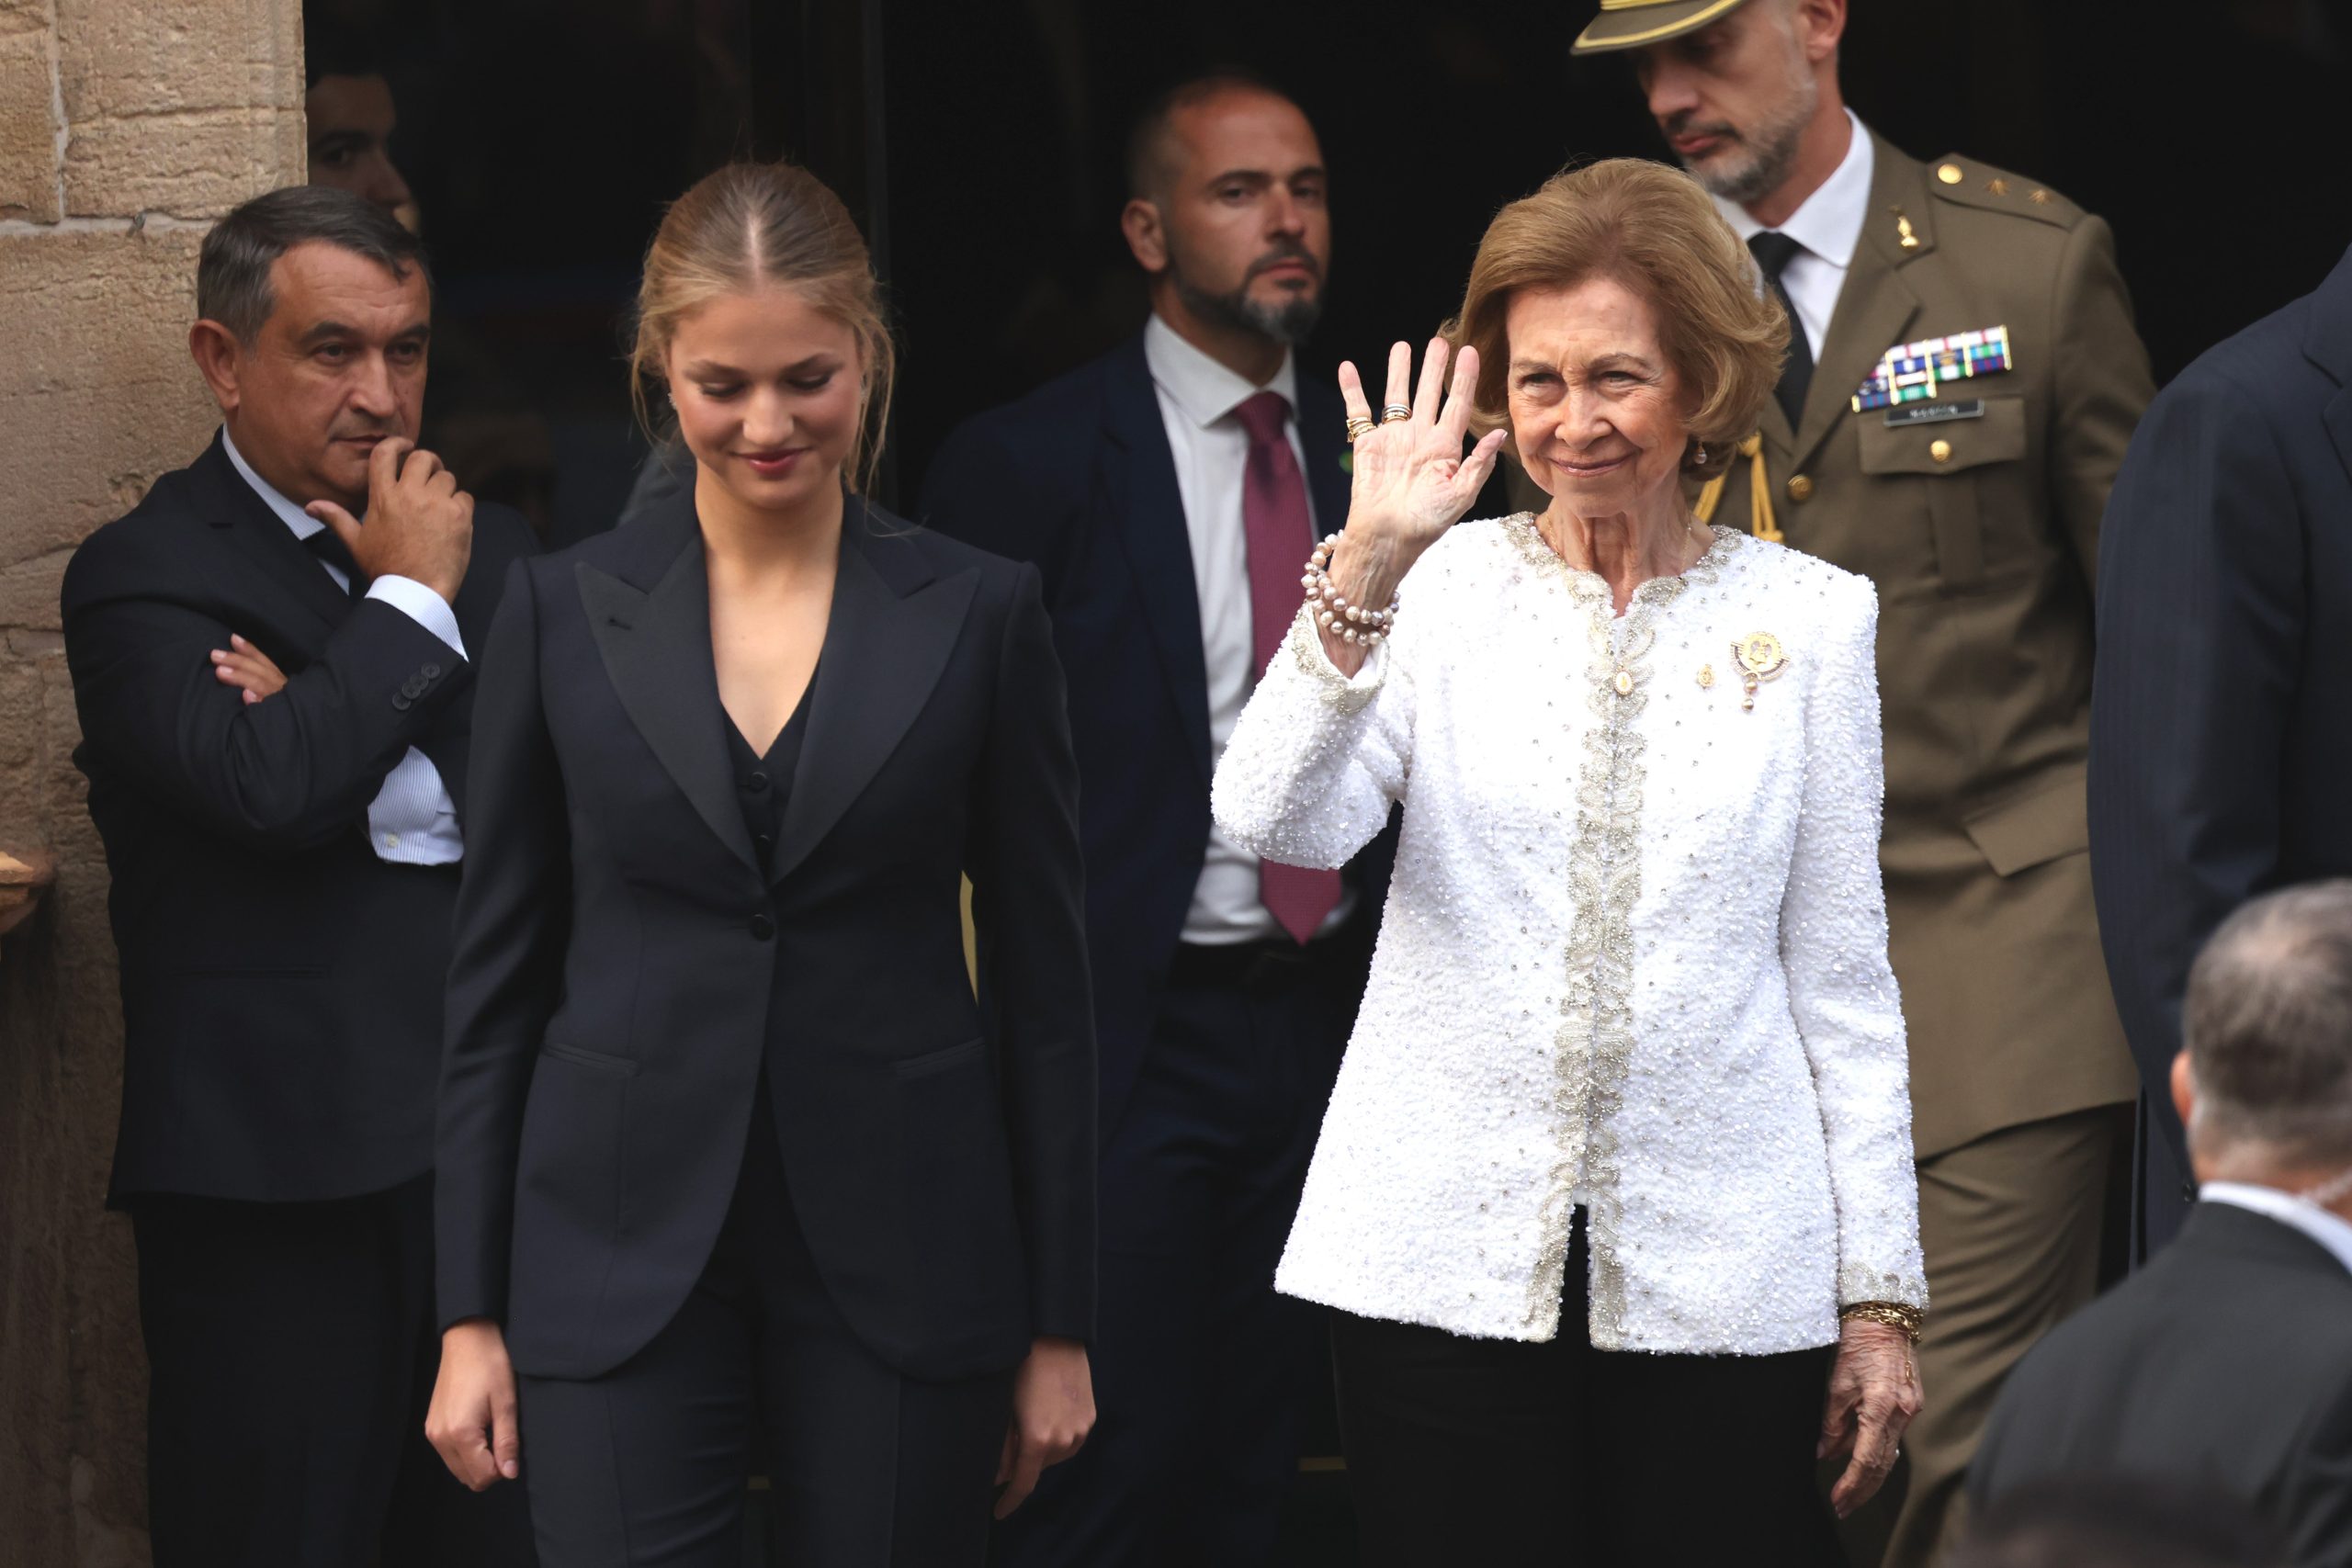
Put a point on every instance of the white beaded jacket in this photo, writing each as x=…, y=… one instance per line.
x=1633, y=955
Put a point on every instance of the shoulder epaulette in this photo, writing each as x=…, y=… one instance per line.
x=1971, y=184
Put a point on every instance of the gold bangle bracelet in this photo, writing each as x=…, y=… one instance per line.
x=1894, y=1315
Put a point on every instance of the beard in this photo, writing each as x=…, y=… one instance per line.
x=1758, y=161
x=1287, y=324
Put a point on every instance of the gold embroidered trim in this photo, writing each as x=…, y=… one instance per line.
x=1335, y=689
x=1593, y=1045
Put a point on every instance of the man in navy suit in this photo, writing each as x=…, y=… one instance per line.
x=1170, y=493
x=2219, y=734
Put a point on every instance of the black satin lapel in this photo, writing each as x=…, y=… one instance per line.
x=882, y=657
x=1150, y=512
x=2338, y=418
x=656, y=646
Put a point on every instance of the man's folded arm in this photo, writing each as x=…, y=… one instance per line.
x=284, y=774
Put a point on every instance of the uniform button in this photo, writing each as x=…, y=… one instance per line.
x=1800, y=487
x=757, y=784
x=763, y=929
x=1950, y=174
x=1940, y=451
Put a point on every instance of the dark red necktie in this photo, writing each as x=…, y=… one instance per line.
x=1280, y=534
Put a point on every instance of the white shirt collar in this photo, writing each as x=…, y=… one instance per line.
x=2324, y=1227
x=1205, y=390
x=1829, y=224
x=293, y=517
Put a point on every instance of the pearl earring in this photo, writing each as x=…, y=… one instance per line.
x=1699, y=455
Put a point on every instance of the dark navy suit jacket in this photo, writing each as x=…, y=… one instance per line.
x=2222, y=709
x=1078, y=479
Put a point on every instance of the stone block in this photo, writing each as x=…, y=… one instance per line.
x=187, y=163
x=122, y=59
x=98, y=396
x=186, y=109
x=27, y=127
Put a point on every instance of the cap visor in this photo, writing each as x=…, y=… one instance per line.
x=1637, y=24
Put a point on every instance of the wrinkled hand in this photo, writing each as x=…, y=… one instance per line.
x=1874, y=1394
x=471, y=1422
x=1053, y=1411
x=248, y=669
x=1412, y=481
x=419, y=525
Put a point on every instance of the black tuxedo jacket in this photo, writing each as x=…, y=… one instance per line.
x=2228, y=1358
x=627, y=962
x=281, y=1017
x=2222, y=706
x=1078, y=478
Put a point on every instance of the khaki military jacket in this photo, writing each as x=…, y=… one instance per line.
x=1982, y=535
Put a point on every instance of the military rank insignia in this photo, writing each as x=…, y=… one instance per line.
x=1911, y=373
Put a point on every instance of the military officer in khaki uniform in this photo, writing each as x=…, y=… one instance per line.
x=1978, y=318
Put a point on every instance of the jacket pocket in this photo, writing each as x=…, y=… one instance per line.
x=934, y=1062
x=1951, y=454
x=2049, y=819
x=595, y=1061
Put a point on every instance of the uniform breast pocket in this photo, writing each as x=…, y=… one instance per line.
x=1956, y=463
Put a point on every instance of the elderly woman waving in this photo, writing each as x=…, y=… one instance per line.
x=1615, y=1196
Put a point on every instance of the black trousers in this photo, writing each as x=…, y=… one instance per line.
x=1496, y=1450
x=648, y=1465
x=292, y=1351
x=1201, y=1371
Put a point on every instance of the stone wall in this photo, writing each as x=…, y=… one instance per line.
x=126, y=126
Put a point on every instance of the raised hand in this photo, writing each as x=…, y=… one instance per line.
x=1412, y=481
x=419, y=525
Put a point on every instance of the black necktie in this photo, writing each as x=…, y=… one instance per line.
x=328, y=545
x=1773, y=251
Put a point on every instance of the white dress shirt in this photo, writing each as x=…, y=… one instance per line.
x=1827, y=225
x=1633, y=955
x=1197, y=397
x=411, y=821
x=2329, y=1230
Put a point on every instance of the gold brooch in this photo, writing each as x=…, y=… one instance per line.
x=1761, y=660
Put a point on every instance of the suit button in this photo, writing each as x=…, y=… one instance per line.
x=757, y=784
x=1800, y=487
x=431, y=672
x=1939, y=450
x=763, y=929
x=402, y=701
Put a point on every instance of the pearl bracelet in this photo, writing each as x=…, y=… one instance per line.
x=1351, y=622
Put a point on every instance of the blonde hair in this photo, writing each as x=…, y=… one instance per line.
x=751, y=224
x=1652, y=230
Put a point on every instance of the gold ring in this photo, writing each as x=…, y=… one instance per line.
x=1359, y=427
x=1394, y=412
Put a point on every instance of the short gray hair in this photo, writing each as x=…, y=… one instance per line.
x=2267, y=1023
x=232, y=270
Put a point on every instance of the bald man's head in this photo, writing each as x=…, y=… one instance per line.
x=1225, y=206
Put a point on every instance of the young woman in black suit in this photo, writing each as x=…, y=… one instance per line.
x=727, y=1143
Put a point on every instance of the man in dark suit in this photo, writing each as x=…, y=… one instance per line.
x=274, y=703
x=1169, y=492
x=2229, y=1358
x=2220, y=739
